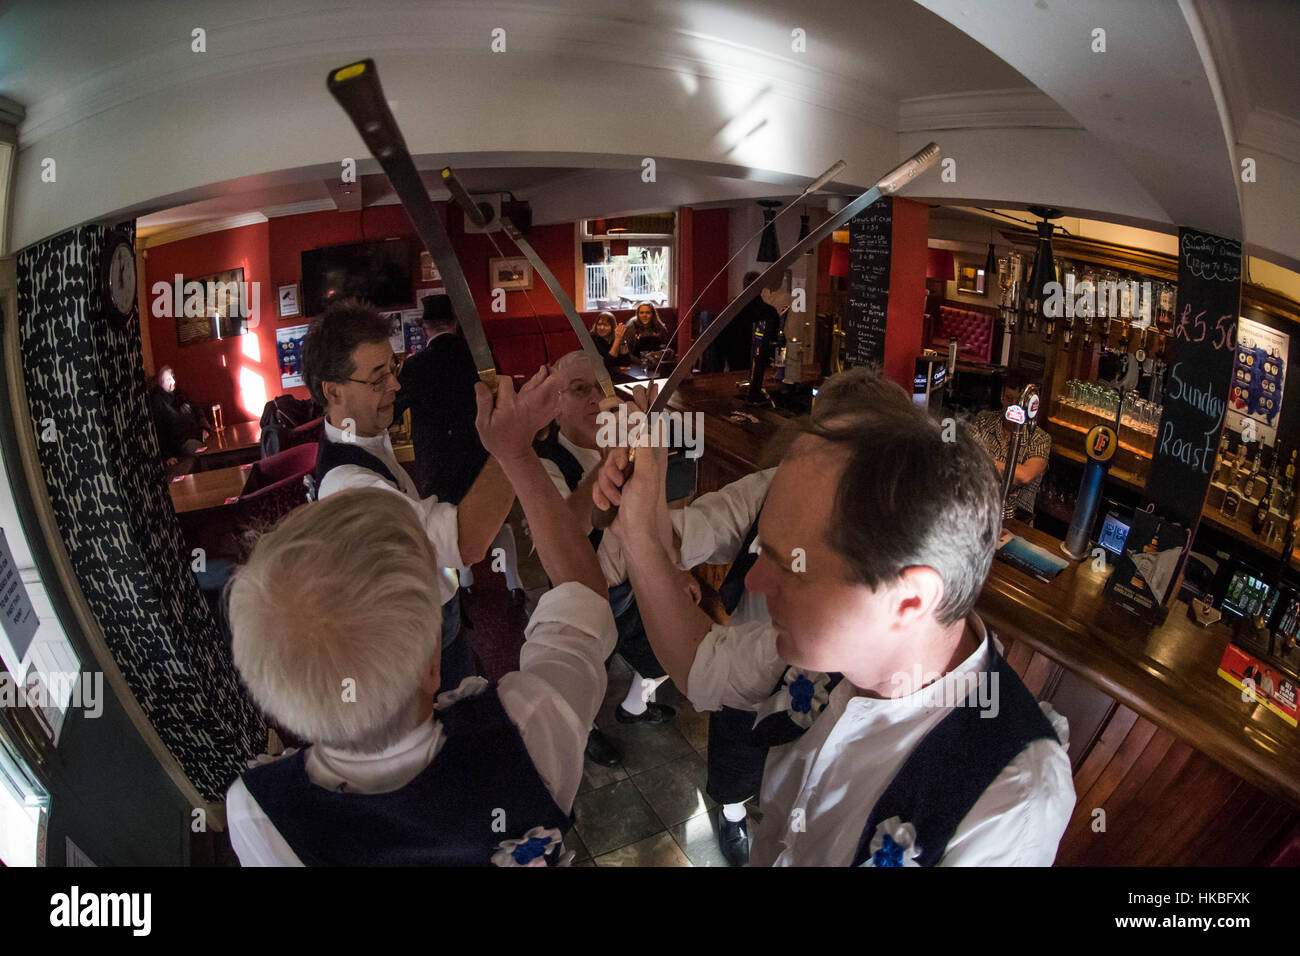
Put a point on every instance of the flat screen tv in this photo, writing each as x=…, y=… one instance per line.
x=378, y=272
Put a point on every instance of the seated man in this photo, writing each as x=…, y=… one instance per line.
x=349, y=367
x=335, y=632
x=181, y=427
x=902, y=736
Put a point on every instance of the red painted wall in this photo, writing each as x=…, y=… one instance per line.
x=905, y=318
x=242, y=373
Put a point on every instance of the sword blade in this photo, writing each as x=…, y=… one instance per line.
x=475, y=215
x=356, y=88
x=894, y=180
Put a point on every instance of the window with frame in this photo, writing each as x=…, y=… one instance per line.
x=637, y=266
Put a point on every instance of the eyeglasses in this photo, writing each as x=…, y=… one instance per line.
x=581, y=390
x=394, y=369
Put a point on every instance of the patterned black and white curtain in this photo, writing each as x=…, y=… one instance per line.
x=86, y=388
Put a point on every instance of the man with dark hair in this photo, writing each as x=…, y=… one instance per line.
x=898, y=734
x=181, y=426
x=349, y=367
x=737, y=340
x=438, y=388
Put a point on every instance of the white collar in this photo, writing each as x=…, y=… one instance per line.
x=379, y=771
x=951, y=683
x=380, y=441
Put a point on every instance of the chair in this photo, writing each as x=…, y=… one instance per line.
x=302, y=434
x=273, y=489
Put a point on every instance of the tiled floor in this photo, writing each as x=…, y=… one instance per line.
x=653, y=810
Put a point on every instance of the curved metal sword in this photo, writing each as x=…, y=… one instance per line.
x=356, y=87
x=475, y=213
x=893, y=181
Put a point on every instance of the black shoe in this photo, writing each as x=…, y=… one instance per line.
x=653, y=714
x=602, y=750
x=733, y=840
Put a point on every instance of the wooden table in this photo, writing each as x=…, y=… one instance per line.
x=233, y=445
x=1185, y=770
x=208, y=489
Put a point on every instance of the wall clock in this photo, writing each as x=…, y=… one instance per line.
x=117, y=276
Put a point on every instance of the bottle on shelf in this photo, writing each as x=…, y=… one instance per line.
x=1252, y=479
x=1219, y=455
x=1261, y=513
x=778, y=359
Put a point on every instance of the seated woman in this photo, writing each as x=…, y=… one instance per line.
x=646, y=333
x=608, y=335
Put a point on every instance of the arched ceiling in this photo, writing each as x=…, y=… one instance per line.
x=718, y=93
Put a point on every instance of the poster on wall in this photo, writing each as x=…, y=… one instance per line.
x=413, y=330
x=288, y=344
x=396, y=335
x=1258, y=374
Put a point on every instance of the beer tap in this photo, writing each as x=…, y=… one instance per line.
x=1023, y=416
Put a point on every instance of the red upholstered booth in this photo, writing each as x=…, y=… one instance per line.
x=971, y=326
x=520, y=343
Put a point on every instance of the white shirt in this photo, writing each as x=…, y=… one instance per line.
x=437, y=517
x=839, y=768
x=588, y=458
x=553, y=699
x=711, y=528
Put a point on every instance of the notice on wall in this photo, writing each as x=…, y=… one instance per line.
x=1200, y=354
x=870, y=237
x=1258, y=377
x=288, y=343
x=16, y=612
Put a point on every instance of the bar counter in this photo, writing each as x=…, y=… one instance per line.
x=1170, y=763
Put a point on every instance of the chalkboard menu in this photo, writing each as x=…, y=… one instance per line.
x=1200, y=356
x=870, y=234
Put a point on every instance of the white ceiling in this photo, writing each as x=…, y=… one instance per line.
x=1150, y=134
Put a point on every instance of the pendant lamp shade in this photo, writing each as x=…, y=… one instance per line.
x=768, y=249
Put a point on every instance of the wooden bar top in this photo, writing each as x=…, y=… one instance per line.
x=1167, y=674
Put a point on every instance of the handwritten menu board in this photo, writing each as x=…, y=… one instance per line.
x=870, y=234
x=1200, y=354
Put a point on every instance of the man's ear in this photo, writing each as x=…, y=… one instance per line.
x=431, y=675
x=917, y=594
x=333, y=392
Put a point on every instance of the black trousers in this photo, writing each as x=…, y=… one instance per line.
x=735, y=760
x=456, y=662
x=633, y=643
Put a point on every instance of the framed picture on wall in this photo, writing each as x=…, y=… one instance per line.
x=970, y=280
x=428, y=271
x=287, y=301
x=213, y=307
x=511, y=274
